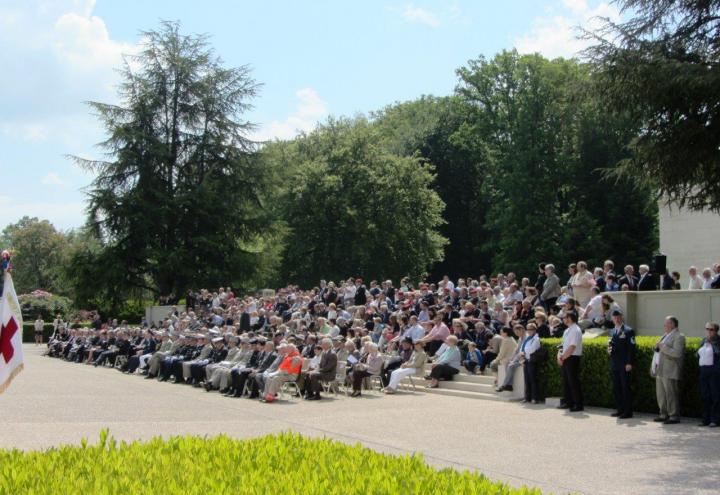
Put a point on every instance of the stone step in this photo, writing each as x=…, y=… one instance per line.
x=468, y=386
x=461, y=393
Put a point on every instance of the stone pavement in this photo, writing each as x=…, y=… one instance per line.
x=53, y=402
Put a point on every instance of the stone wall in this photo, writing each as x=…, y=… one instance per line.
x=646, y=311
x=688, y=238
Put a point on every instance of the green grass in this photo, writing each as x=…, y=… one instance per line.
x=278, y=464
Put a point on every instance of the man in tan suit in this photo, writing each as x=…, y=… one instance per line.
x=667, y=370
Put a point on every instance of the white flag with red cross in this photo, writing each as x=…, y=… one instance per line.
x=11, y=330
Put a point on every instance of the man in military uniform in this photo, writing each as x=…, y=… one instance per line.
x=205, y=348
x=265, y=358
x=621, y=348
x=213, y=369
x=246, y=357
x=167, y=348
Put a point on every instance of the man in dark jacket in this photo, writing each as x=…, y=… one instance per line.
x=326, y=371
x=621, y=347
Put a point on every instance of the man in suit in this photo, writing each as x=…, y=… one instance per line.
x=326, y=371
x=646, y=281
x=667, y=369
x=621, y=347
x=269, y=361
x=629, y=279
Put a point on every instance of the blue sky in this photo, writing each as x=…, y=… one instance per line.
x=314, y=59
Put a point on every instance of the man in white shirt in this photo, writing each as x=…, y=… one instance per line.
x=696, y=281
x=39, y=326
x=569, y=361
x=593, y=311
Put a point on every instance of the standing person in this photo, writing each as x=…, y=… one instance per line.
x=621, y=348
x=39, y=326
x=582, y=283
x=569, y=361
x=629, y=279
x=550, y=290
x=529, y=346
x=667, y=369
x=709, y=361
x=695, y=281
x=646, y=281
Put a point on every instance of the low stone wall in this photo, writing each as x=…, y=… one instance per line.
x=645, y=311
x=153, y=314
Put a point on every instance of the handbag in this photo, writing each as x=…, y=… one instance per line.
x=539, y=356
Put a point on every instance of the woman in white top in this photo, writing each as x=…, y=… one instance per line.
x=709, y=361
x=582, y=283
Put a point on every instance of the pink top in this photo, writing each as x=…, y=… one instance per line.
x=439, y=332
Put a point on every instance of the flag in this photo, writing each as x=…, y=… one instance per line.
x=11, y=330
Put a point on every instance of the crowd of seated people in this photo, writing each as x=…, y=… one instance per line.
x=354, y=335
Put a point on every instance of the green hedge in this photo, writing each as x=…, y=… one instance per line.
x=597, y=381
x=29, y=331
x=280, y=464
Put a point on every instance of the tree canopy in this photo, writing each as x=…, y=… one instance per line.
x=662, y=66
x=179, y=200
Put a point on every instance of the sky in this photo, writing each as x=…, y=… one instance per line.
x=314, y=59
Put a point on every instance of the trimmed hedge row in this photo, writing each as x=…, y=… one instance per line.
x=29, y=331
x=597, y=381
x=279, y=464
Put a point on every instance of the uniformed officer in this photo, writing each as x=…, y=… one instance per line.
x=621, y=348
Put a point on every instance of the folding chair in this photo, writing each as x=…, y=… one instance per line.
x=285, y=389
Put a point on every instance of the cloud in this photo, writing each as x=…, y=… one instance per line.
x=52, y=179
x=55, y=55
x=310, y=109
x=418, y=15
x=556, y=35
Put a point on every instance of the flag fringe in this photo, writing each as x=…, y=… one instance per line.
x=9, y=380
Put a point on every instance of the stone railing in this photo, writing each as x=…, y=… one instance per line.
x=646, y=311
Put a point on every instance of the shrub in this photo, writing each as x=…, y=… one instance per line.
x=43, y=303
x=597, y=381
x=279, y=464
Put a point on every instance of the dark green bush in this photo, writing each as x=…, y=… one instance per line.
x=597, y=382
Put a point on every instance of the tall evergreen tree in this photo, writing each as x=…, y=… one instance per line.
x=662, y=65
x=179, y=198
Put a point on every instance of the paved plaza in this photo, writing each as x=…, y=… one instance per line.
x=53, y=402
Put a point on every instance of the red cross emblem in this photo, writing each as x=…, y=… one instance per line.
x=6, y=334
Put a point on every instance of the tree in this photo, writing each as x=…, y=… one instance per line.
x=662, y=66
x=352, y=208
x=426, y=127
x=179, y=201
x=545, y=141
x=38, y=254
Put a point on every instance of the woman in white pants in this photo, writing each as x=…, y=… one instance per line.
x=413, y=366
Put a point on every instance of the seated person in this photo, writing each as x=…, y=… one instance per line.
x=415, y=366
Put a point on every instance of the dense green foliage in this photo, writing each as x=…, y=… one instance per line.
x=47, y=305
x=513, y=169
x=597, y=381
x=543, y=140
x=354, y=208
x=661, y=65
x=280, y=464
x=39, y=254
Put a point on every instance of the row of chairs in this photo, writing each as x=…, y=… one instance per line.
x=340, y=384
